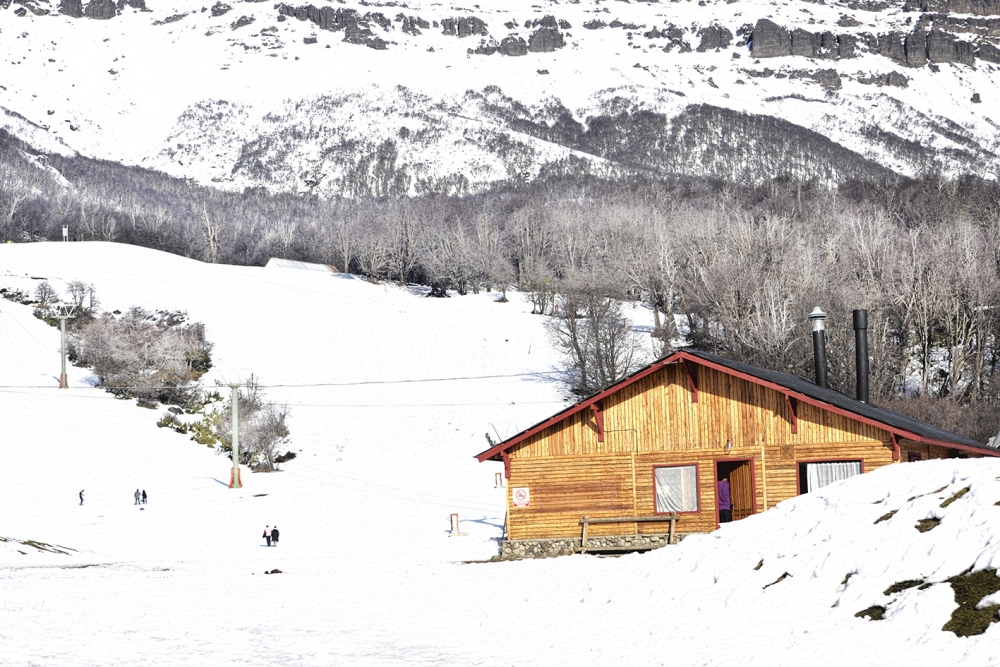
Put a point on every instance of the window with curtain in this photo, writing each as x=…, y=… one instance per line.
x=819, y=475
x=676, y=489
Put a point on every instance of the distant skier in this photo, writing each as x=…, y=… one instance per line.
x=144, y=496
x=274, y=535
x=81, y=496
x=137, y=496
x=267, y=535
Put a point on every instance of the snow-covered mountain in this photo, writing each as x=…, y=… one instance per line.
x=368, y=574
x=371, y=99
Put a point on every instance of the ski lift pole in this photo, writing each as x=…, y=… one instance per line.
x=235, y=428
x=65, y=311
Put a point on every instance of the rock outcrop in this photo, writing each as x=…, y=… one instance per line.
x=546, y=40
x=102, y=10
x=828, y=78
x=714, y=37
x=913, y=49
x=918, y=48
x=513, y=46
x=464, y=27
x=769, y=40
x=412, y=25
x=985, y=27
x=975, y=7
x=988, y=52
x=357, y=28
x=891, y=79
x=72, y=8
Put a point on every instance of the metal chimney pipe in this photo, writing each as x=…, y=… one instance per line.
x=818, y=319
x=861, y=352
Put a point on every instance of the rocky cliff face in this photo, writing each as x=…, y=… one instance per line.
x=915, y=49
x=358, y=99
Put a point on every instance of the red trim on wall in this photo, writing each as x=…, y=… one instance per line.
x=506, y=464
x=753, y=483
x=599, y=419
x=697, y=485
x=895, y=447
x=798, y=466
x=793, y=405
x=495, y=450
x=682, y=356
x=692, y=371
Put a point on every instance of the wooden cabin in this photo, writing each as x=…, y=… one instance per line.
x=657, y=443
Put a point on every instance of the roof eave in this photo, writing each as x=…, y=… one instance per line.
x=681, y=355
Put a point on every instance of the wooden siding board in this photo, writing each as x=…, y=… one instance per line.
x=654, y=422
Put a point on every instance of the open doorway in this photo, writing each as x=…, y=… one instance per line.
x=738, y=473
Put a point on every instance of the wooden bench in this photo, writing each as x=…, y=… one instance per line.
x=586, y=521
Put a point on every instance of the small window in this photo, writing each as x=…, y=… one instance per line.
x=913, y=456
x=814, y=476
x=676, y=489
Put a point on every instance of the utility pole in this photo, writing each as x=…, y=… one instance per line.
x=234, y=482
x=65, y=312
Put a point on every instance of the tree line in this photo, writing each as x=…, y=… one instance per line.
x=732, y=269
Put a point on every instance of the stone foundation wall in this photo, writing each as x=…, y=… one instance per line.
x=549, y=548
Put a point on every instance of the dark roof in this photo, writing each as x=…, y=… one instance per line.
x=843, y=401
x=790, y=385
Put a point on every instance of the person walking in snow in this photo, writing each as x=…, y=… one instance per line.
x=267, y=535
x=81, y=496
x=274, y=535
x=144, y=496
x=137, y=496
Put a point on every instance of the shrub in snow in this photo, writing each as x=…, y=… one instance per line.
x=150, y=356
x=263, y=428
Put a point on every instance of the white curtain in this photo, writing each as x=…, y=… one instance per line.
x=819, y=475
x=676, y=489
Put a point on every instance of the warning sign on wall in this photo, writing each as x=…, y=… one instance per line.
x=522, y=497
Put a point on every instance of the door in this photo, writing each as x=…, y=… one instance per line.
x=739, y=472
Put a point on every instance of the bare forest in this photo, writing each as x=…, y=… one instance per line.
x=730, y=269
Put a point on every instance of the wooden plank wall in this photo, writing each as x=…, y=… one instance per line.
x=654, y=422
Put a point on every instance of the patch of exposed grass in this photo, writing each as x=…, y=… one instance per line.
x=759, y=565
x=958, y=494
x=970, y=588
x=847, y=578
x=927, y=494
x=42, y=546
x=927, y=524
x=778, y=580
x=885, y=517
x=900, y=586
x=876, y=613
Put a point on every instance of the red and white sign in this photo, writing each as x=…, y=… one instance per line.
x=521, y=496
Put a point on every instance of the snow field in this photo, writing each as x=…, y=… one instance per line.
x=369, y=576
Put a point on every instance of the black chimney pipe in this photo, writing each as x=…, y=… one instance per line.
x=861, y=352
x=818, y=319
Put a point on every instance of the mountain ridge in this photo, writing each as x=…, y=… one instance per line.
x=368, y=99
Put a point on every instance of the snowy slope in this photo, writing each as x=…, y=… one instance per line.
x=223, y=101
x=369, y=576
